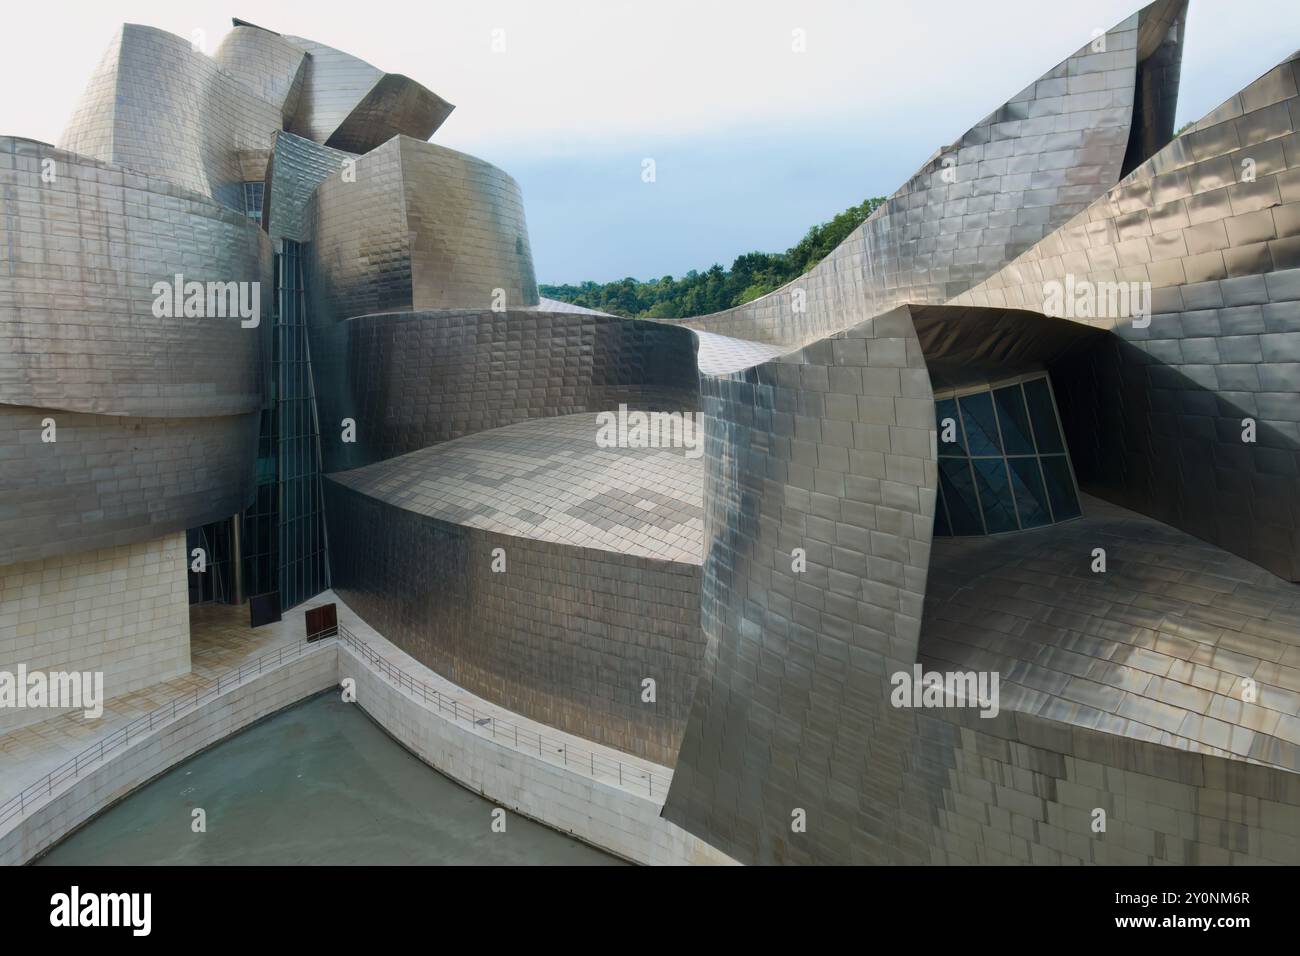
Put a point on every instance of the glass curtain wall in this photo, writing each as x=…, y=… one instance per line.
x=1003, y=463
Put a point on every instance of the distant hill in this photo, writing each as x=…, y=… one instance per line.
x=699, y=293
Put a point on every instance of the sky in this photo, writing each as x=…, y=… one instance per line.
x=752, y=142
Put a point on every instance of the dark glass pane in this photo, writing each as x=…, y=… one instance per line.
x=946, y=408
x=1046, y=430
x=941, y=529
x=1060, y=487
x=1014, y=421
x=981, y=428
x=995, y=494
x=1031, y=499
x=959, y=493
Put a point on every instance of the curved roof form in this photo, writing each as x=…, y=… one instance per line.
x=350, y=105
x=549, y=480
x=1009, y=181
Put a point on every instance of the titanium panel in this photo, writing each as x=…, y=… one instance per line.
x=977, y=204
x=564, y=634
x=157, y=106
x=1211, y=223
x=81, y=256
x=416, y=379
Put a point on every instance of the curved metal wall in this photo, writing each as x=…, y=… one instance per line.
x=418, y=227
x=348, y=104
x=410, y=380
x=1010, y=180
x=565, y=635
x=831, y=450
x=267, y=64
x=1120, y=689
x=110, y=480
x=155, y=417
x=294, y=169
x=1158, y=412
x=82, y=254
x=157, y=106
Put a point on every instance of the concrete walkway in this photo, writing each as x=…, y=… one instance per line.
x=221, y=640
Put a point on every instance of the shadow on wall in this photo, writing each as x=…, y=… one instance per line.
x=1145, y=436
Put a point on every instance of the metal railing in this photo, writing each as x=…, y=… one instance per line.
x=553, y=749
x=186, y=703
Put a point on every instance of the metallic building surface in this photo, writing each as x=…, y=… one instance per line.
x=267, y=64
x=1122, y=691
x=773, y=587
x=348, y=104
x=565, y=634
x=111, y=480
x=155, y=418
x=1212, y=222
x=549, y=479
x=1008, y=182
x=418, y=227
x=1155, y=649
x=829, y=449
x=82, y=254
x=158, y=106
x=411, y=380
x=295, y=167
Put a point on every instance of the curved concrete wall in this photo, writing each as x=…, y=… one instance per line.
x=410, y=380
x=1010, y=180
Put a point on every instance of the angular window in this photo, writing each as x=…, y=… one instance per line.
x=1004, y=465
x=253, y=193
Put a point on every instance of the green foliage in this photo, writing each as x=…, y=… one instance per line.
x=752, y=275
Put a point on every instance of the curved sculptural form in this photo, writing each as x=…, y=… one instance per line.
x=156, y=409
x=1009, y=181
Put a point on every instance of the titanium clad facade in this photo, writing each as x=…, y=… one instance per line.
x=418, y=379
x=267, y=64
x=420, y=227
x=910, y=461
x=294, y=169
x=159, y=107
x=155, y=417
x=1157, y=411
x=1012, y=179
x=348, y=104
x=556, y=594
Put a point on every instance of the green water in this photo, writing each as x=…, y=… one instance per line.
x=318, y=783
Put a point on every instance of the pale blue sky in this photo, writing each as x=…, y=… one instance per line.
x=753, y=143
